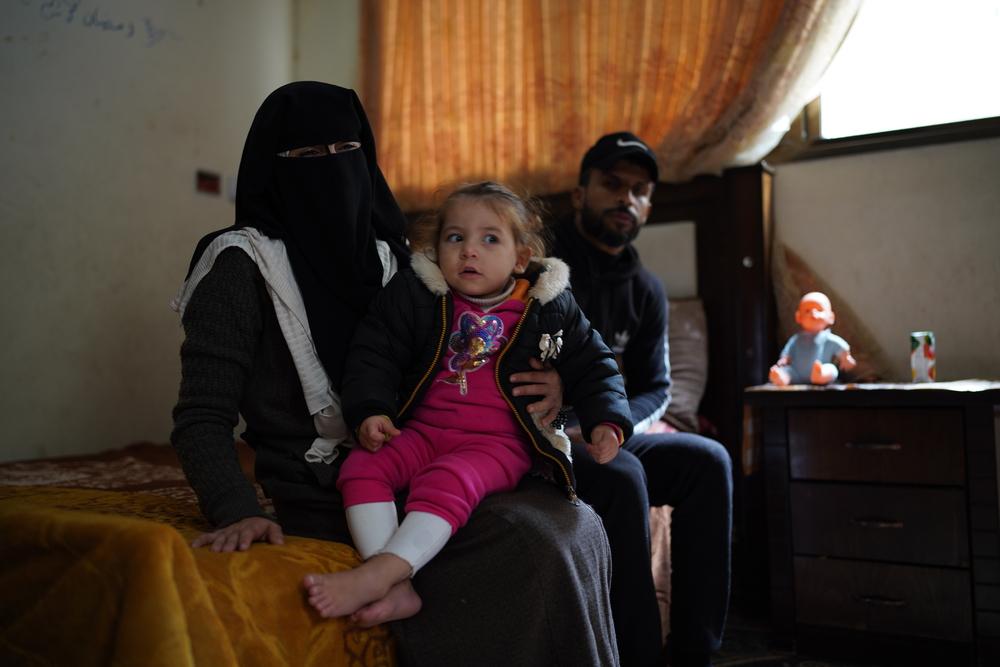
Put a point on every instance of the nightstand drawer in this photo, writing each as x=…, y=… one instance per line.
x=877, y=445
x=893, y=599
x=903, y=524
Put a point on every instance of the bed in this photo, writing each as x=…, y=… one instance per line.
x=97, y=567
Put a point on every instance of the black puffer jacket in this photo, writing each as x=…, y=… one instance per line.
x=399, y=345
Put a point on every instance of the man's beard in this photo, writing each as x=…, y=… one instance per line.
x=593, y=224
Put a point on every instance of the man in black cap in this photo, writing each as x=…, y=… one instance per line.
x=692, y=474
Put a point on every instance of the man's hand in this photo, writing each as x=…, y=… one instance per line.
x=375, y=431
x=603, y=443
x=544, y=381
x=240, y=535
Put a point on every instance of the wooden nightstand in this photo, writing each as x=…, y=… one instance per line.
x=883, y=518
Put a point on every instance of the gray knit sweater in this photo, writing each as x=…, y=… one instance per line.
x=234, y=361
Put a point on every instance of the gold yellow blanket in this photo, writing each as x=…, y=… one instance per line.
x=96, y=577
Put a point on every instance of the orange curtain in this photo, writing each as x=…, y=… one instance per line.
x=516, y=90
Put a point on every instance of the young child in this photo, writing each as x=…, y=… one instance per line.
x=427, y=388
x=815, y=355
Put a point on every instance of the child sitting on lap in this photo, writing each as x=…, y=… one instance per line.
x=433, y=357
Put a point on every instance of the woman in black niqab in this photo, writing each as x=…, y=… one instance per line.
x=330, y=215
x=328, y=210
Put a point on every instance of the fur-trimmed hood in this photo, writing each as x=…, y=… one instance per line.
x=552, y=276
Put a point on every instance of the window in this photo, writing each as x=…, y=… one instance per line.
x=909, y=72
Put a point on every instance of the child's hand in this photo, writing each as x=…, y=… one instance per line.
x=603, y=443
x=375, y=431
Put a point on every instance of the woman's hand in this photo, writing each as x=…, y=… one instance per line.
x=603, y=443
x=375, y=431
x=240, y=535
x=544, y=381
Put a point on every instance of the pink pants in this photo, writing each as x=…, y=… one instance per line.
x=448, y=471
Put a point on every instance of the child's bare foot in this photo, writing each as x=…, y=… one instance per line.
x=343, y=593
x=401, y=602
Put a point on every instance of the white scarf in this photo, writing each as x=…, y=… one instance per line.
x=272, y=261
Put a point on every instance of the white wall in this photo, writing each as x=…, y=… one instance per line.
x=327, y=40
x=911, y=239
x=108, y=112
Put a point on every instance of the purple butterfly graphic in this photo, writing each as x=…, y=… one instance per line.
x=476, y=339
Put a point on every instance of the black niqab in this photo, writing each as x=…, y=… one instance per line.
x=327, y=210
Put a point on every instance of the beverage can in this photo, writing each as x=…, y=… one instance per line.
x=922, y=356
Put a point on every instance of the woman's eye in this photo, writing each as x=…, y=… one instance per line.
x=322, y=150
x=344, y=146
x=305, y=151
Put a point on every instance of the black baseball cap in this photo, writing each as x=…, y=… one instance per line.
x=617, y=146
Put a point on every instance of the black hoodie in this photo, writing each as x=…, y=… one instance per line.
x=628, y=307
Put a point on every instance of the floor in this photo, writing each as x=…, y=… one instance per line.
x=747, y=640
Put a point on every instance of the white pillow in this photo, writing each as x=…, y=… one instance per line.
x=688, y=338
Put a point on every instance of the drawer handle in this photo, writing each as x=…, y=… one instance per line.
x=879, y=601
x=875, y=446
x=876, y=522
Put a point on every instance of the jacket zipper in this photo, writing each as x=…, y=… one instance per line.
x=437, y=356
x=531, y=436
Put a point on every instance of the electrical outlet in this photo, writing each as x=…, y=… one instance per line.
x=208, y=182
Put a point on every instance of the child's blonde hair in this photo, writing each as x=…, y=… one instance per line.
x=522, y=214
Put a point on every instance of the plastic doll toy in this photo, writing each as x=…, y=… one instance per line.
x=815, y=355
